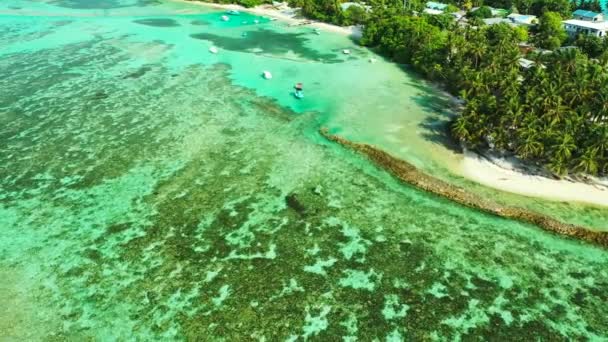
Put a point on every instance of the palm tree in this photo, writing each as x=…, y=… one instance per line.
x=599, y=139
x=558, y=167
x=564, y=149
x=460, y=129
x=477, y=50
x=530, y=147
x=567, y=59
x=588, y=163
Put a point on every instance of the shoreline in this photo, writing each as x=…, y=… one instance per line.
x=354, y=32
x=410, y=174
x=492, y=172
x=511, y=175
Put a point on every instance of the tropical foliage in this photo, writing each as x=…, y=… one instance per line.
x=551, y=32
x=554, y=113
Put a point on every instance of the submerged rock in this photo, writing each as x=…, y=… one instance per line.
x=100, y=95
x=292, y=202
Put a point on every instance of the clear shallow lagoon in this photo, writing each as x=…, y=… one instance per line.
x=152, y=190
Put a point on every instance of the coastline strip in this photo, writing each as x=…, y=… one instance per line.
x=408, y=173
x=269, y=11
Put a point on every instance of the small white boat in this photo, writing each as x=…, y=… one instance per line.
x=267, y=75
x=346, y=51
x=372, y=60
x=299, y=93
x=233, y=12
x=213, y=50
x=225, y=18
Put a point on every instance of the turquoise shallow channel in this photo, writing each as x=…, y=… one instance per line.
x=151, y=190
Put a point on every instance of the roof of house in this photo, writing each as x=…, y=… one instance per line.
x=436, y=5
x=587, y=24
x=493, y=21
x=525, y=63
x=499, y=11
x=432, y=11
x=521, y=17
x=585, y=13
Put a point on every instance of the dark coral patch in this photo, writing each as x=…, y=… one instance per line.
x=157, y=22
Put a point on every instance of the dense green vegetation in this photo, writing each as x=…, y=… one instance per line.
x=554, y=114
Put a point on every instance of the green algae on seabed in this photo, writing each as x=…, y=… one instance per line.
x=161, y=199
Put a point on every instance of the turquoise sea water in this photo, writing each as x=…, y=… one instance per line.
x=150, y=190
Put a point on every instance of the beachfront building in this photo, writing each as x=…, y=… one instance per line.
x=586, y=22
x=435, y=8
x=513, y=20
x=522, y=19
x=591, y=16
x=575, y=27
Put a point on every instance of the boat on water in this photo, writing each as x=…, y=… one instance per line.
x=299, y=93
x=267, y=75
x=346, y=51
x=225, y=18
x=233, y=12
x=213, y=50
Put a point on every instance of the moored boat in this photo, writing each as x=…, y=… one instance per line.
x=299, y=93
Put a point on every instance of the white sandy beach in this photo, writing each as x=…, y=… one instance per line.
x=285, y=16
x=504, y=175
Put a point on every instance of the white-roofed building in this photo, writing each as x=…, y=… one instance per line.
x=575, y=27
x=432, y=11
